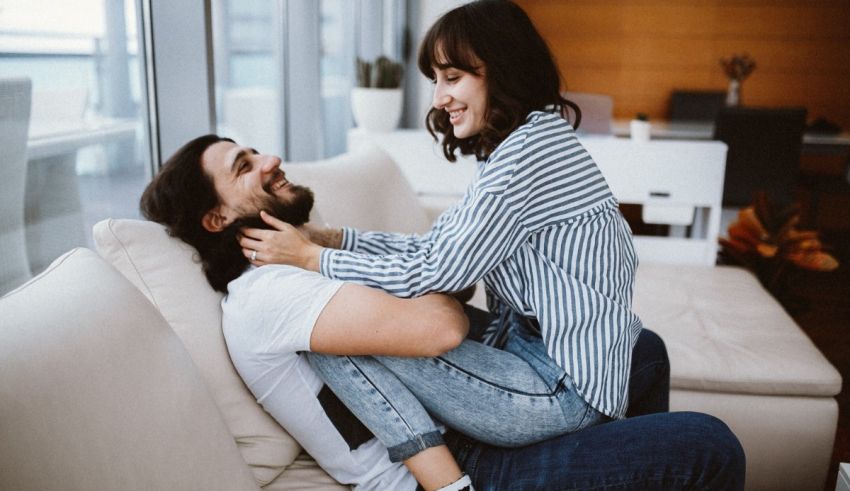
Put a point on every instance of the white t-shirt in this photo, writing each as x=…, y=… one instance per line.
x=268, y=316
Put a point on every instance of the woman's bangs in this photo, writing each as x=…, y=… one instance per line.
x=445, y=48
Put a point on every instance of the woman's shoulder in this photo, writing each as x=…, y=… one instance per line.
x=539, y=126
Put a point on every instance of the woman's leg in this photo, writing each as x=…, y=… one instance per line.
x=382, y=403
x=657, y=451
x=494, y=396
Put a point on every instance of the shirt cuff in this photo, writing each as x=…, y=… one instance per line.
x=325, y=262
x=349, y=239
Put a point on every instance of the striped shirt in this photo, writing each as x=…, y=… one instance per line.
x=542, y=228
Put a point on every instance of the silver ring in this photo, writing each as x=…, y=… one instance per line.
x=253, y=255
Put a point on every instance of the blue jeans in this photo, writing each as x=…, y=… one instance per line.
x=475, y=389
x=492, y=395
x=659, y=451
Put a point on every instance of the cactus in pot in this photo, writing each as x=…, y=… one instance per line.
x=376, y=102
x=383, y=73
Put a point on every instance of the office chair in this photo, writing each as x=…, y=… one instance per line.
x=695, y=105
x=764, y=152
x=597, y=112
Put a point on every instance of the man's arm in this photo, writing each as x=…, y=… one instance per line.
x=359, y=320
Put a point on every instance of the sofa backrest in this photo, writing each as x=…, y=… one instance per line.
x=363, y=189
x=97, y=392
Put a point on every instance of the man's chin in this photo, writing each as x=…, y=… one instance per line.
x=295, y=208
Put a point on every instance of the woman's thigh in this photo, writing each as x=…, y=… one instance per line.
x=493, y=395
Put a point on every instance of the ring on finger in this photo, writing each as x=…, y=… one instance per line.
x=253, y=255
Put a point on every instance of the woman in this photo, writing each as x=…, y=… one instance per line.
x=540, y=225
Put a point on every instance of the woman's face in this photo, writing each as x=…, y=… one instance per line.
x=464, y=96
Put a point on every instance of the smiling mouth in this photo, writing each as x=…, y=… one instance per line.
x=455, y=115
x=276, y=183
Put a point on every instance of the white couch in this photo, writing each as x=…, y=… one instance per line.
x=115, y=380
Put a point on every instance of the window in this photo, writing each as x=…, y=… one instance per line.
x=88, y=156
x=284, y=69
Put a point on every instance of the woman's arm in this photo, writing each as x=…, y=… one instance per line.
x=364, y=321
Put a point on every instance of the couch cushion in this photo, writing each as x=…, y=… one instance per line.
x=726, y=333
x=165, y=270
x=96, y=392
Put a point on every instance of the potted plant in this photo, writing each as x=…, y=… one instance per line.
x=376, y=102
x=737, y=69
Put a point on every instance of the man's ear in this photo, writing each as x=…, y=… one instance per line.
x=214, y=221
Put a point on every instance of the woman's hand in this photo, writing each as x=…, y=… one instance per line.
x=283, y=245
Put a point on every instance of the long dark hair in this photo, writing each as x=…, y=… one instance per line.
x=179, y=196
x=521, y=74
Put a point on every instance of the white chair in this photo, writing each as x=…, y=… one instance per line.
x=597, y=112
x=14, y=129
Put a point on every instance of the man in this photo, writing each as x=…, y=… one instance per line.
x=212, y=187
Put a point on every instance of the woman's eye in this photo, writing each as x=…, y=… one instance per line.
x=452, y=79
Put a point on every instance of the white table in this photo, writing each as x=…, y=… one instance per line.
x=54, y=221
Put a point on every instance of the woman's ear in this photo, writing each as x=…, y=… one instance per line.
x=214, y=221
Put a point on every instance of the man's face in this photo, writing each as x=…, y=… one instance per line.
x=247, y=182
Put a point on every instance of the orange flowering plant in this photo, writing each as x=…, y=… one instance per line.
x=767, y=240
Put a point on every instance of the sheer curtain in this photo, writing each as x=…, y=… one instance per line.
x=284, y=69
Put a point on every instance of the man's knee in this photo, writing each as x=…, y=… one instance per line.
x=720, y=451
x=650, y=346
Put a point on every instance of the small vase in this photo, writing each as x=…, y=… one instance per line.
x=733, y=95
x=640, y=131
x=376, y=110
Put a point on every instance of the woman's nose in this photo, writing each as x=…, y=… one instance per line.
x=440, y=99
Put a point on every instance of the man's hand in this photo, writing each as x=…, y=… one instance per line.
x=325, y=237
x=283, y=245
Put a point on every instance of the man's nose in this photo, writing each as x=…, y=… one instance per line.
x=270, y=163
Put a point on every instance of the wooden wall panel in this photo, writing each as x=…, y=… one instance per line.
x=640, y=50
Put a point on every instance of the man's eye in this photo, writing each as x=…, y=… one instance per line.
x=243, y=167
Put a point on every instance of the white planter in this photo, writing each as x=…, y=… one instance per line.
x=640, y=130
x=377, y=110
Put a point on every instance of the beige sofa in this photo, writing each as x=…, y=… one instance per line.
x=114, y=373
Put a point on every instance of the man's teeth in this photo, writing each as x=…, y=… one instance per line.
x=280, y=184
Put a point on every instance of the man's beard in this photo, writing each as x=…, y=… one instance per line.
x=296, y=211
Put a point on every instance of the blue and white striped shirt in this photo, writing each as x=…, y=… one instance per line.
x=542, y=228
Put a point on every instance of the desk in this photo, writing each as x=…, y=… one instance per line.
x=701, y=130
x=53, y=210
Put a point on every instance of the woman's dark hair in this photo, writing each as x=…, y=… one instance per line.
x=179, y=196
x=520, y=72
